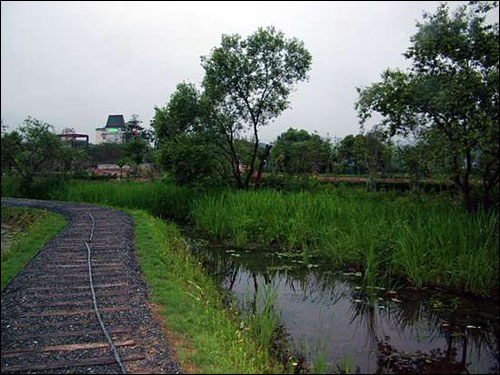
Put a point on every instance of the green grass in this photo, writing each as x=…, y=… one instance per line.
x=427, y=241
x=207, y=337
x=37, y=227
x=164, y=200
x=422, y=239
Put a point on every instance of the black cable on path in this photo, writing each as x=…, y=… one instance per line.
x=103, y=327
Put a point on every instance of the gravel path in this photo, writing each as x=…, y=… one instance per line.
x=48, y=320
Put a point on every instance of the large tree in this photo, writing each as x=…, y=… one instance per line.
x=187, y=147
x=31, y=150
x=247, y=83
x=451, y=86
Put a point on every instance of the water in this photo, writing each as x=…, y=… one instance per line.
x=330, y=315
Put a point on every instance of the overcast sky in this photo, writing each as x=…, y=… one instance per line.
x=74, y=63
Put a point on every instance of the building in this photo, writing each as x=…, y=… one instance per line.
x=113, y=132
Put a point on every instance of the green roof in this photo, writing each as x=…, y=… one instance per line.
x=115, y=121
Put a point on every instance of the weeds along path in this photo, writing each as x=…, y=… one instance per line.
x=81, y=306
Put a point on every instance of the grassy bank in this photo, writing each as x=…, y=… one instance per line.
x=30, y=230
x=207, y=337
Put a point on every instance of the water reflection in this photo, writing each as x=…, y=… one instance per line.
x=381, y=331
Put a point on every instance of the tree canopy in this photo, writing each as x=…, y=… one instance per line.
x=451, y=86
x=31, y=150
x=180, y=115
x=296, y=151
x=187, y=148
x=248, y=81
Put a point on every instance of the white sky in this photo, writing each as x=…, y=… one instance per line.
x=74, y=63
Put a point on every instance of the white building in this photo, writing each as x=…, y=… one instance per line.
x=113, y=132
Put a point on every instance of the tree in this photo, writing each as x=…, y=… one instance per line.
x=121, y=163
x=30, y=151
x=136, y=150
x=351, y=154
x=193, y=161
x=298, y=152
x=369, y=153
x=188, y=149
x=134, y=130
x=247, y=83
x=451, y=86
x=427, y=156
x=181, y=114
x=106, y=153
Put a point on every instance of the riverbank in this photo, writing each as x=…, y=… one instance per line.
x=207, y=337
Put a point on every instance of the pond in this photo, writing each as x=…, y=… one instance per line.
x=330, y=316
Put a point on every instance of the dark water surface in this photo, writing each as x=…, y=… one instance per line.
x=332, y=316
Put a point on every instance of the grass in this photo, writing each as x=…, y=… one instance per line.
x=164, y=200
x=207, y=337
x=425, y=240
x=34, y=228
x=346, y=364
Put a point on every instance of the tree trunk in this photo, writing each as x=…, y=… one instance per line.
x=254, y=155
x=466, y=188
x=263, y=161
x=234, y=159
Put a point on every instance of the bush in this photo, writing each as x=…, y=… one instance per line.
x=193, y=161
x=42, y=187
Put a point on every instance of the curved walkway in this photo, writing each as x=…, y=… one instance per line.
x=49, y=324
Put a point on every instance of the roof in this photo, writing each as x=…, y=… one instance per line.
x=115, y=121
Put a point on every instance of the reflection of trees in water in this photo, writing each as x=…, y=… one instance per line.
x=315, y=286
x=455, y=357
x=391, y=361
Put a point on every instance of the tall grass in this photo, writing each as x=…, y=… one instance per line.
x=208, y=339
x=164, y=200
x=427, y=241
x=263, y=320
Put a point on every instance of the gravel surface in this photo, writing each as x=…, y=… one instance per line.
x=47, y=311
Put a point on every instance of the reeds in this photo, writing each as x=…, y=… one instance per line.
x=164, y=200
x=427, y=241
